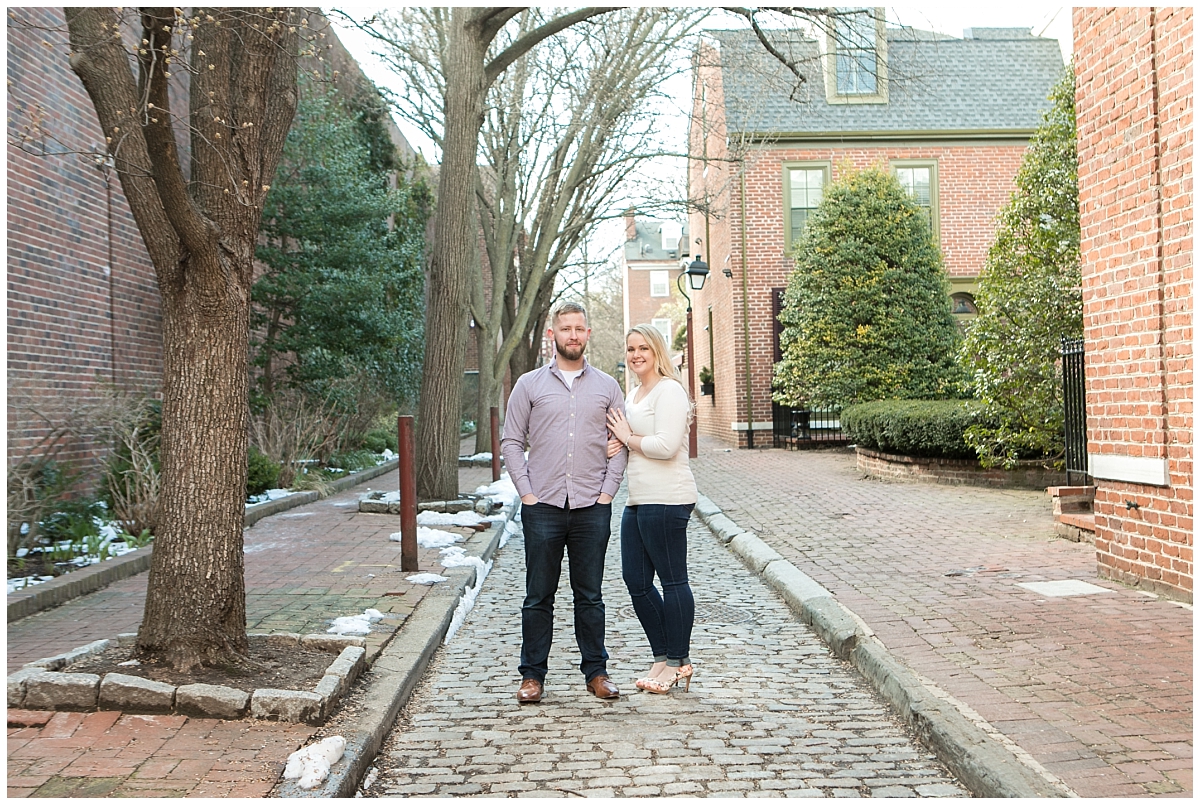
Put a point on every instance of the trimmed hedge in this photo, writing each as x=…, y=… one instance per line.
x=928, y=428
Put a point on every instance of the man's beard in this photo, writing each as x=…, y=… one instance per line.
x=572, y=353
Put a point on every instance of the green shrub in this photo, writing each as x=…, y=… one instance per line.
x=929, y=428
x=866, y=314
x=1030, y=297
x=353, y=460
x=263, y=472
x=379, y=439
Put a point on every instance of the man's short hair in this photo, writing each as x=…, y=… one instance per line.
x=566, y=306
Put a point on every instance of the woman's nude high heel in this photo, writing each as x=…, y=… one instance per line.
x=652, y=685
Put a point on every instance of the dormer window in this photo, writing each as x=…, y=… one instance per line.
x=856, y=56
x=854, y=44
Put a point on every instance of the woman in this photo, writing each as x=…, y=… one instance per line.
x=662, y=494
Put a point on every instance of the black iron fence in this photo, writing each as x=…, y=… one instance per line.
x=797, y=428
x=1075, y=411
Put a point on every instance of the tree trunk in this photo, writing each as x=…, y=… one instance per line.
x=439, y=411
x=200, y=231
x=196, y=598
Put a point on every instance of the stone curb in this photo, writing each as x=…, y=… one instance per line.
x=979, y=761
x=43, y=685
x=76, y=583
x=87, y=580
x=395, y=673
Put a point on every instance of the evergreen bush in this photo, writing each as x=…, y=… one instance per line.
x=866, y=314
x=263, y=473
x=926, y=428
x=379, y=439
x=1030, y=298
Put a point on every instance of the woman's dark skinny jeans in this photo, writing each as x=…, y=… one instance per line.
x=654, y=541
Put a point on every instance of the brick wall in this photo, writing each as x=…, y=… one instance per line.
x=975, y=179
x=62, y=342
x=1134, y=106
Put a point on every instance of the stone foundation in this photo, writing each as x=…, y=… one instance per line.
x=888, y=466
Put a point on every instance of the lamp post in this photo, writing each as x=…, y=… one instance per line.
x=696, y=274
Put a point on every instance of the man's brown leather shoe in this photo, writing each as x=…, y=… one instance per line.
x=602, y=687
x=530, y=691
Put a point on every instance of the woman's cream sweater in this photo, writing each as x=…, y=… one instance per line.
x=660, y=472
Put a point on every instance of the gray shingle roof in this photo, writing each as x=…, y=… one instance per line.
x=997, y=80
x=647, y=246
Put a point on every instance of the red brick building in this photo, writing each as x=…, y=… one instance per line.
x=950, y=116
x=83, y=300
x=1134, y=109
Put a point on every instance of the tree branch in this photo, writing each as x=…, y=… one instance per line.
x=526, y=43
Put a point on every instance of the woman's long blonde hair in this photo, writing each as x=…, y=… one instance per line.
x=662, y=359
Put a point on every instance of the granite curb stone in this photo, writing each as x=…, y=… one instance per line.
x=41, y=685
x=50, y=690
x=754, y=553
x=394, y=674
x=211, y=701
x=136, y=695
x=87, y=580
x=982, y=764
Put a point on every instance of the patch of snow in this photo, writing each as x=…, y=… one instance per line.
x=21, y=583
x=510, y=528
x=309, y=766
x=386, y=455
x=429, y=537
x=425, y=578
x=270, y=494
x=355, y=624
x=129, y=663
x=458, y=518
x=456, y=557
x=479, y=457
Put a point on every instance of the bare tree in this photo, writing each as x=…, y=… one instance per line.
x=566, y=127
x=470, y=60
x=198, y=211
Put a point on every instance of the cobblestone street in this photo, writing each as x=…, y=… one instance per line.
x=770, y=711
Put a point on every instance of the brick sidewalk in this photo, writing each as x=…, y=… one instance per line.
x=304, y=567
x=1097, y=688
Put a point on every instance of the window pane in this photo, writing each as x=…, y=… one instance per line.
x=918, y=183
x=854, y=46
x=664, y=327
x=660, y=283
x=807, y=187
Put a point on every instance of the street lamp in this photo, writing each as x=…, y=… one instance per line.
x=696, y=274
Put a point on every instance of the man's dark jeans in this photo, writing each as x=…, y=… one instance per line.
x=584, y=534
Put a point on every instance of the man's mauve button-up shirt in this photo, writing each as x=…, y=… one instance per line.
x=567, y=432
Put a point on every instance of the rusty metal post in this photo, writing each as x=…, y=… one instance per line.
x=693, y=448
x=495, y=444
x=408, y=496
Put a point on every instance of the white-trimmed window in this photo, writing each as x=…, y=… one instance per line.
x=664, y=327
x=660, y=283
x=803, y=189
x=919, y=179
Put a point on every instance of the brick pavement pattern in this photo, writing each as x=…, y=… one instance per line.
x=1097, y=688
x=770, y=711
x=112, y=754
x=304, y=567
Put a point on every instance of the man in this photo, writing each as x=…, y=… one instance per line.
x=566, y=489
